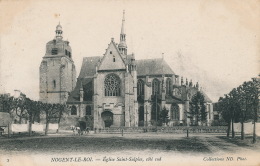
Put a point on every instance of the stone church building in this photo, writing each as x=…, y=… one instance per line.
x=115, y=89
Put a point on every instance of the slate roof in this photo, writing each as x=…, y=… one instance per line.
x=88, y=67
x=207, y=99
x=153, y=67
x=144, y=66
x=74, y=95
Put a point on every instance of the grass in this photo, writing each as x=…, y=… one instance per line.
x=112, y=143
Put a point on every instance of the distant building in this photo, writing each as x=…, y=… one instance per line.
x=115, y=89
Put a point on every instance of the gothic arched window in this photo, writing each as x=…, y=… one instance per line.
x=156, y=86
x=140, y=87
x=88, y=110
x=112, y=85
x=73, y=110
x=154, y=111
x=168, y=86
x=175, y=113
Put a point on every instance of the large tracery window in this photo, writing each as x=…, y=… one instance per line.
x=112, y=85
x=168, y=86
x=156, y=86
x=140, y=87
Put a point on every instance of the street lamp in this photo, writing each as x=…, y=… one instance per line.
x=156, y=109
x=146, y=124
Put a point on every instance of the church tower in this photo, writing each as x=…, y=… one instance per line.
x=57, y=70
x=122, y=45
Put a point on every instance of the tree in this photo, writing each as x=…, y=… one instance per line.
x=198, y=108
x=234, y=108
x=224, y=107
x=244, y=102
x=62, y=108
x=20, y=108
x=6, y=103
x=254, y=105
x=33, y=110
x=47, y=109
x=164, y=115
x=53, y=112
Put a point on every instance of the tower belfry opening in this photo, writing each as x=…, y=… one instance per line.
x=59, y=31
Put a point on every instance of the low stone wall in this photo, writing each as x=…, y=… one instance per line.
x=175, y=129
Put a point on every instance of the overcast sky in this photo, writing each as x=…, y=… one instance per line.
x=213, y=42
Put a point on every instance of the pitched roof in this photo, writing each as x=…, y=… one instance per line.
x=207, y=99
x=75, y=94
x=153, y=67
x=88, y=67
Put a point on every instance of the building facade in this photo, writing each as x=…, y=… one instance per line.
x=115, y=89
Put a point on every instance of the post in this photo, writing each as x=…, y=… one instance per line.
x=187, y=123
x=122, y=132
x=146, y=125
x=156, y=109
x=254, y=133
x=9, y=131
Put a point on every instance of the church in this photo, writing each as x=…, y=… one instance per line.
x=115, y=89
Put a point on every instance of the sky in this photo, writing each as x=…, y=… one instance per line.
x=215, y=43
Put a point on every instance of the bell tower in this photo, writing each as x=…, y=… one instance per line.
x=57, y=70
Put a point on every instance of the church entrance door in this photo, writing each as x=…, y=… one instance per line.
x=82, y=125
x=107, y=117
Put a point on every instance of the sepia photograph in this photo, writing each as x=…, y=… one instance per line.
x=119, y=82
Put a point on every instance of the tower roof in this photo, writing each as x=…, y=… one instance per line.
x=123, y=24
x=59, y=27
x=122, y=44
x=58, y=31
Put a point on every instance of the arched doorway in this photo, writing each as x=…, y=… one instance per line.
x=107, y=117
x=82, y=125
x=141, y=116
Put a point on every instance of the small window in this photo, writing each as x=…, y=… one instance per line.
x=54, y=51
x=110, y=52
x=114, y=59
x=54, y=84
